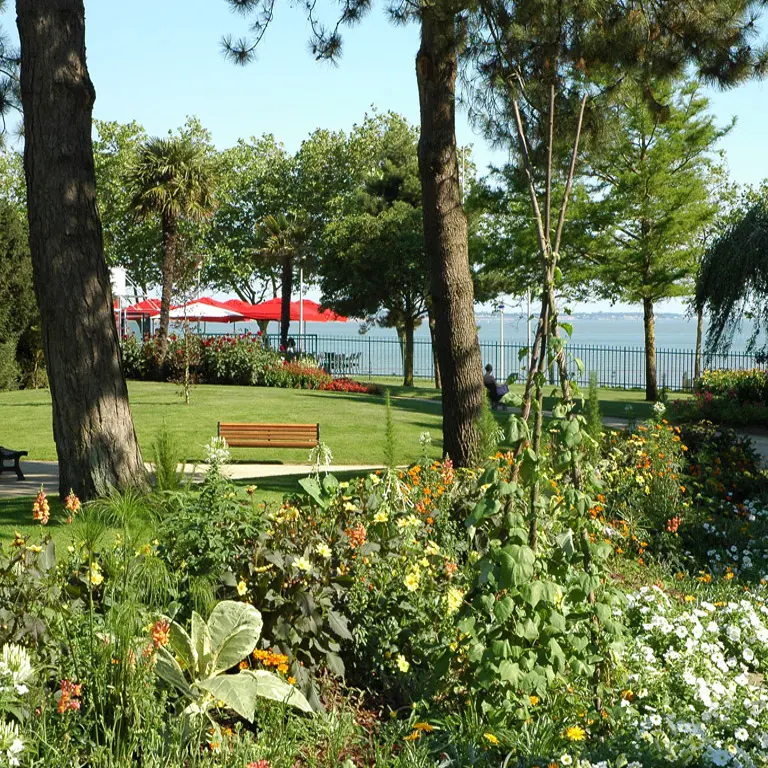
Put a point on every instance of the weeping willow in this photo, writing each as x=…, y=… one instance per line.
x=733, y=282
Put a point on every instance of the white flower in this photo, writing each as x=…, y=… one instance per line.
x=733, y=633
x=659, y=409
x=566, y=759
x=741, y=734
x=302, y=564
x=748, y=655
x=323, y=550
x=16, y=665
x=217, y=451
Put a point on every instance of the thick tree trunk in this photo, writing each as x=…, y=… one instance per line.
x=699, y=340
x=285, y=309
x=92, y=426
x=435, y=360
x=168, y=270
x=445, y=237
x=649, y=327
x=409, y=326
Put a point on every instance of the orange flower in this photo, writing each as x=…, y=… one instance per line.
x=40, y=509
x=72, y=505
x=161, y=633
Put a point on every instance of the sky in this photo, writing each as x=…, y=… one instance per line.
x=157, y=61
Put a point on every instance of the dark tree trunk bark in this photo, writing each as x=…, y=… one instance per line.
x=285, y=309
x=649, y=327
x=699, y=340
x=408, y=328
x=170, y=247
x=435, y=361
x=445, y=237
x=92, y=426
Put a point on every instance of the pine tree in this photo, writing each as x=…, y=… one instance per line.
x=653, y=171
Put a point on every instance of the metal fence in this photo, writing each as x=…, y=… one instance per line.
x=618, y=367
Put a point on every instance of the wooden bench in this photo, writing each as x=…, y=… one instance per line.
x=10, y=460
x=270, y=435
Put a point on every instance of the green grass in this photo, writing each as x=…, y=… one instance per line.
x=352, y=425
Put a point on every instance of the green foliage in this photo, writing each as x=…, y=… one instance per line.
x=373, y=257
x=593, y=416
x=654, y=170
x=491, y=434
x=538, y=622
x=196, y=664
x=389, y=432
x=731, y=285
x=20, y=342
x=167, y=457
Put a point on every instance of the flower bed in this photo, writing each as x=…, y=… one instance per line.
x=635, y=632
x=237, y=359
x=736, y=398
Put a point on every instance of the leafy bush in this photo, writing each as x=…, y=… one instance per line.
x=241, y=360
x=746, y=387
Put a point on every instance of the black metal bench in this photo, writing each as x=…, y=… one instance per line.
x=10, y=460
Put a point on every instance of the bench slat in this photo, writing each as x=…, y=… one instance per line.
x=244, y=435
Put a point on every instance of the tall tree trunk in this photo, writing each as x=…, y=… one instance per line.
x=445, y=237
x=92, y=426
x=649, y=327
x=409, y=325
x=699, y=339
x=285, y=309
x=170, y=246
x=433, y=343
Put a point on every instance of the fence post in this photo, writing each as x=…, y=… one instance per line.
x=370, y=367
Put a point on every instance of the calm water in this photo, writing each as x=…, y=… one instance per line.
x=672, y=331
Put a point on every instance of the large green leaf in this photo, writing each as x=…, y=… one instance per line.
x=201, y=639
x=240, y=692
x=338, y=625
x=183, y=646
x=235, y=629
x=169, y=670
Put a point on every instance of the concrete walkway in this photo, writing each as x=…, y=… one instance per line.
x=46, y=473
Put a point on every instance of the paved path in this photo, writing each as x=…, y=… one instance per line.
x=46, y=473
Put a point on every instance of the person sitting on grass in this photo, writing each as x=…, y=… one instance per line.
x=495, y=390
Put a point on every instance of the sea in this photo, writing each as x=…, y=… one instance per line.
x=604, y=329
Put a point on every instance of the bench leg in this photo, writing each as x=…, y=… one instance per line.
x=17, y=469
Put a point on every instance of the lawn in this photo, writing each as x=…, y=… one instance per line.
x=352, y=425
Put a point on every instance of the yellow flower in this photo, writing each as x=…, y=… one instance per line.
x=534, y=700
x=432, y=548
x=454, y=599
x=411, y=580
x=402, y=663
x=375, y=479
x=490, y=737
x=380, y=517
x=95, y=576
x=413, y=736
x=424, y=563
x=323, y=550
x=242, y=587
x=575, y=733
x=689, y=599
x=349, y=506
x=426, y=727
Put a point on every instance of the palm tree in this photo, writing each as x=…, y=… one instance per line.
x=173, y=178
x=284, y=239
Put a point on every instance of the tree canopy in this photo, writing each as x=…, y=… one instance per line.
x=733, y=281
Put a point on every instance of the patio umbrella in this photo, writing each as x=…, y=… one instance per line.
x=205, y=310
x=145, y=308
x=313, y=313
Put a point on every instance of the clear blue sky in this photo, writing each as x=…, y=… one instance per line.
x=157, y=61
